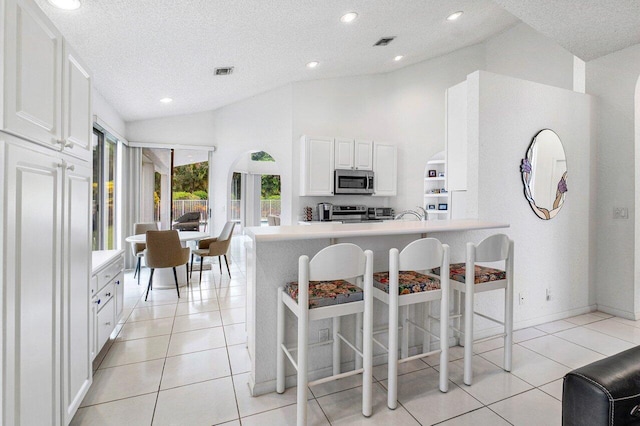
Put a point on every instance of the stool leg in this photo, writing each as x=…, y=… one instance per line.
x=367, y=341
x=426, y=340
x=359, y=332
x=468, y=315
x=303, y=335
x=336, y=346
x=392, y=387
x=508, y=311
x=444, y=325
x=404, y=317
x=280, y=377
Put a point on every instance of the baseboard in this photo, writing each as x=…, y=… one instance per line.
x=619, y=312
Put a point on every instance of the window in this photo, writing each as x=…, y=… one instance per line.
x=105, y=163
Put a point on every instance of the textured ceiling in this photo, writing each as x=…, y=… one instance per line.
x=587, y=28
x=143, y=50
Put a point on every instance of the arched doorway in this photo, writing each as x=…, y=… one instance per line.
x=254, y=189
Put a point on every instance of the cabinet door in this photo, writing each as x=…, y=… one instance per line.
x=31, y=346
x=76, y=106
x=385, y=169
x=317, y=166
x=31, y=74
x=344, y=153
x=363, y=155
x=76, y=322
x=105, y=323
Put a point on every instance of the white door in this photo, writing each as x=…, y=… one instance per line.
x=31, y=74
x=31, y=386
x=77, y=128
x=385, y=169
x=76, y=332
x=318, y=166
x=363, y=151
x=344, y=153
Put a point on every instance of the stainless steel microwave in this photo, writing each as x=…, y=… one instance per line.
x=353, y=182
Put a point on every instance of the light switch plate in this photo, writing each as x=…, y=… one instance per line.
x=620, y=213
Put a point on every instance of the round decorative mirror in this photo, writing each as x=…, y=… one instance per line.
x=544, y=174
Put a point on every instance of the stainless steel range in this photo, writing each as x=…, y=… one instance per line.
x=349, y=214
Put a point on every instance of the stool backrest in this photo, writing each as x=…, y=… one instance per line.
x=493, y=248
x=425, y=253
x=339, y=261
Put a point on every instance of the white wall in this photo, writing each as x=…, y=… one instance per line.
x=504, y=114
x=613, y=79
x=260, y=123
x=192, y=129
x=105, y=112
x=524, y=53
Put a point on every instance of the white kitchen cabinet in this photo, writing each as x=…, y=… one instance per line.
x=107, y=296
x=456, y=137
x=46, y=91
x=316, y=166
x=45, y=354
x=76, y=333
x=385, y=167
x=353, y=154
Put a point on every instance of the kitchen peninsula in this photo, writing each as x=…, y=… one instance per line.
x=272, y=261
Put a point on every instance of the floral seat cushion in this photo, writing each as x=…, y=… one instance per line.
x=409, y=282
x=483, y=274
x=326, y=293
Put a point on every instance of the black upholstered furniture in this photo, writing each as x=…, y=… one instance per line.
x=606, y=392
x=187, y=222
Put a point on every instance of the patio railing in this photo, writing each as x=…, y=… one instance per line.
x=181, y=207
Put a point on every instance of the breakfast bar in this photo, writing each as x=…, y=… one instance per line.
x=272, y=261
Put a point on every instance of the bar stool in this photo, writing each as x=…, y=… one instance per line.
x=403, y=286
x=326, y=294
x=492, y=249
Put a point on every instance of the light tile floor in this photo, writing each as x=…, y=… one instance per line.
x=184, y=362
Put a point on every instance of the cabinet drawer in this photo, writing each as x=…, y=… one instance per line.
x=110, y=272
x=105, y=323
x=105, y=295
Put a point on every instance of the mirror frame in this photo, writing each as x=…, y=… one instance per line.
x=561, y=192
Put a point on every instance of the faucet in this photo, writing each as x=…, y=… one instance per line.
x=421, y=214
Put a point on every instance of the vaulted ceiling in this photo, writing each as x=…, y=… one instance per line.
x=144, y=50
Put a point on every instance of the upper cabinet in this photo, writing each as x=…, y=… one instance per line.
x=316, y=166
x=76, y=106
x=46, y=91
x=385, y=167
x=353, y=154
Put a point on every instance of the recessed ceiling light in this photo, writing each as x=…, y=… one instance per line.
x=454, y=16
x=166, y=100
x=397, y=58
x=349, y=17
x=66, y=4
x=313, y=64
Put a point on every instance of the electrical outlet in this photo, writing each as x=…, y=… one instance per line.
x=521, y=298
x=323, y=335
x=620, y=213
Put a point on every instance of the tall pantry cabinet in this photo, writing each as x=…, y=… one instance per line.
x=45, y=188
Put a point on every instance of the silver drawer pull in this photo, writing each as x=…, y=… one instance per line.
x=635, y=411
x=108, y=294
x=98, y=301
x=107, y=276
x=107, y=323
x=118, y=282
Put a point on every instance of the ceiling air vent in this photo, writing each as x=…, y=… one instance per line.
x=384, y=41
x=224, y=71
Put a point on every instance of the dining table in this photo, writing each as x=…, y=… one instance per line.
x=163, y=277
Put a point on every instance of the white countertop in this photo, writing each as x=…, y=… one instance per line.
x=100, y=258
x=340, y=230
